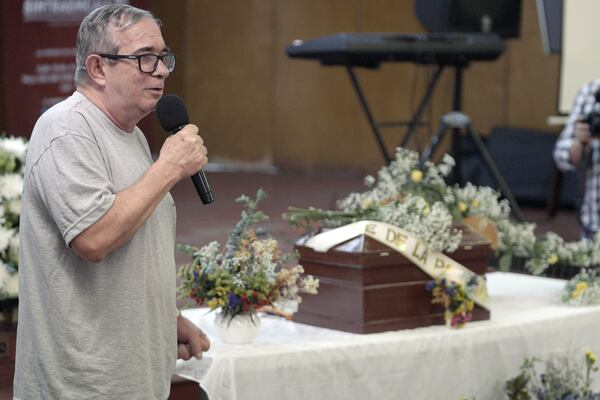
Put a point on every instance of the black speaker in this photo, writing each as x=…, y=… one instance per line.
x=502, y=17
x=524, y=158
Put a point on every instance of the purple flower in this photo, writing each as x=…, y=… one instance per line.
x=233, y=301
x=451, y=290
x=430, y=285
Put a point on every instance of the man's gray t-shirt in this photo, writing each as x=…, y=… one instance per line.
x=91, y=331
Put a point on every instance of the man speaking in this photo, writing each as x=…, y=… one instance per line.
x=97, y=307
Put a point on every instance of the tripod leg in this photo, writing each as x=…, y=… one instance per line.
x=374, y=126
x=424, y=101
x=455, y=120
x=489, y=162
x=554, y=192
x=435, y=141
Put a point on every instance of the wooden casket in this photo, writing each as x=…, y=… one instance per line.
x=366, y=287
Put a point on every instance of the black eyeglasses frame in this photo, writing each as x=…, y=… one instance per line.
x=138, y=57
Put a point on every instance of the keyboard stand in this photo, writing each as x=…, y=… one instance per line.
x=455, y=121
x=365, y=106
x=411, y=125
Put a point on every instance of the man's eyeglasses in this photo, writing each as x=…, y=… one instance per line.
x=147, y=62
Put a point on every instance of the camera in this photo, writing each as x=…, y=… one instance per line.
x=593, y=120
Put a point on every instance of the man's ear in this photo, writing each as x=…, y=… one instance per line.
x=94, y=65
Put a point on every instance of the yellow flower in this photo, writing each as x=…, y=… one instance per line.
x=591, y=357
x=366, y=203
x=426, y=210
x=470, y=305
x=553, y=259
x=462, y=206
x=416, y=175
x=221, y=291
x=579, y=289
x=212, y=303
x=475, y=203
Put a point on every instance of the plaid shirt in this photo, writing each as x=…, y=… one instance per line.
x=585, y=102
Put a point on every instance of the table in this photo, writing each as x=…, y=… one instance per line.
x=294, y=361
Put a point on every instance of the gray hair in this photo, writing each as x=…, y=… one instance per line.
x=94, y=37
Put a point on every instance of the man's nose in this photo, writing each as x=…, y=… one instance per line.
x=161, y=69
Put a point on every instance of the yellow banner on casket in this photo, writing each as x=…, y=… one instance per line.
x=433, y=263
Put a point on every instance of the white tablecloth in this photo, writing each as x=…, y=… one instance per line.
x=295, y=361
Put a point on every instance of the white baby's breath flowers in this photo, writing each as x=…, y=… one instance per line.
x=6, y=236
x=9, y=282
x=432, y=224
x=583, y=289
x=394, y=201
x=14, y=206
x=12, y=159
x=209, y=256
x=11, y=186
x=482, y=200
x=16, y=146
x=416, y=198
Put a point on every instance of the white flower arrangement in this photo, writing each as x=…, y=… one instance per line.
x=416, y=198
x=583, y=289
x=12, y=159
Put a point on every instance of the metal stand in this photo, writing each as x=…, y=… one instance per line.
x=458, y=121
x=374, y=126
x=455, y=120
x=411, y=125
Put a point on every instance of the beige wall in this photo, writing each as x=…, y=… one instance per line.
x=254, y=104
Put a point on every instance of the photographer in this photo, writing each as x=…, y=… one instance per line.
x=578, y=146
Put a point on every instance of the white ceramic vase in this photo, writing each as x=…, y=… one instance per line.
x=241, y=329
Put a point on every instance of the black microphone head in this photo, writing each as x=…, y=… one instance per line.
x=172, y=113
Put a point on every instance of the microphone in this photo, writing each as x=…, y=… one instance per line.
x=173, y=116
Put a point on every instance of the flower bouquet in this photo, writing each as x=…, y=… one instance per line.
x=458, y=307
x=248, y=275
x=560, y=377
x=583, y=289
x=416, y=197
x=12, y=159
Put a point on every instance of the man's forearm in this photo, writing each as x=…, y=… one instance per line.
x=131, y=208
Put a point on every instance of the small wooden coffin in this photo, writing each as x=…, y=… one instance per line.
x=367, y=287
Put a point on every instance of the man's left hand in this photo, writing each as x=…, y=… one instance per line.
x=191, y=341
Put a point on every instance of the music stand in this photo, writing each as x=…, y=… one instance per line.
x=500, y=17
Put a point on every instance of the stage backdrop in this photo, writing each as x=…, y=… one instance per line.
x=255, y=105
x=38, y=53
